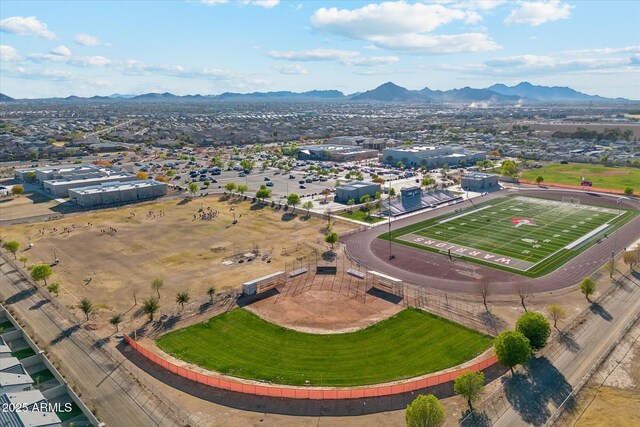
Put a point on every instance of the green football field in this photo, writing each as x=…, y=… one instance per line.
x=409, y=344
x=519, y=233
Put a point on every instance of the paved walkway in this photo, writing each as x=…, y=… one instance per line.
x=101, y=381
x=533, y=394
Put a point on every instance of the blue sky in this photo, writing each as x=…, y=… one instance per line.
x=52, y=48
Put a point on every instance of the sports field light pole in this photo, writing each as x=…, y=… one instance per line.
x=391, y=256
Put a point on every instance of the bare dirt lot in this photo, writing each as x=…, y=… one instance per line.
x=110, y=254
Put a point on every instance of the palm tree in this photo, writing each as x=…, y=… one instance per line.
x=150, y=306
x=86, y=306
x=116, y=320
x=211, y=292
x=156, y=284
x=182, y=298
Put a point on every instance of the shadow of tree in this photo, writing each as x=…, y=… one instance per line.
x=492, y=322
x=22, y=295
x=474, y=419
x=600, y=311
x=329, y=256
x=39, y=304
x=64, y=334
x=288, y=216
x=530, y=394
x=566, y=339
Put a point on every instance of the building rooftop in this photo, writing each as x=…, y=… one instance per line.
x=61, y=168
x=117, y=186
x=35, y=410
x=356, y=184
x=65, y=181
x=13, y=373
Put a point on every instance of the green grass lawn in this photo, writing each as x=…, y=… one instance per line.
x=42, y=376
x=406, y=345
x=23, y=353
x=6, y=325
x=489, y=227
x=604, y=177
x=359, y=215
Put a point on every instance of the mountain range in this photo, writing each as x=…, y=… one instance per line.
x=498, y=94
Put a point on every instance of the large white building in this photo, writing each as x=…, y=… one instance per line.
x=46, y=173
x=430, y=156
x=117, y=192
x=60, y=187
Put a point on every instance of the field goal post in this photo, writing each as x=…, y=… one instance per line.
x=571, y=199
x=385, y=283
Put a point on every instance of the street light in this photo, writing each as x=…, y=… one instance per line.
x=391, y=256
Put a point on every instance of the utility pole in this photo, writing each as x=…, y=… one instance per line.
x=389, y=237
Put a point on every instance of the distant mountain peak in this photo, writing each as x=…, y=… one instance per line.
x=391, y=92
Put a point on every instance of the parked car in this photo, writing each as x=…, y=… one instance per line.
x=270, y=184
x=302, y=186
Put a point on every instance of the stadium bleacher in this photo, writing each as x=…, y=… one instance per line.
x=429, y=199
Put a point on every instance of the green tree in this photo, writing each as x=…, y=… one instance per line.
x=331, y=238
x=292, y=200
x=156, y=285
x=365, y=199
x=12, y=246
x=193, y=188
x=535, y=327
x=629, y=257
x=86, y=306
x=512, y=348
x=242, y=188
x=392, y=192
x=54, y=288
x=628, y=191
x=587, y=287
x=211, y=292
x=425, y=411
x=469, y=385
x=31, y=177
x=206, y=183
x=150, y=307
x=263, y=193
x=308, y=205
x=17, y=190
x=230, y=186
x=351, y=202
x=41, y=272
x=182, y=298
x=115, y=320
x=427, y=182
x=539, y=179
x=23, y=259
x=509, y=168
x=556, y=313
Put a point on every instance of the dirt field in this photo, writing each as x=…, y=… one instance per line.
x=323, y=311
x=108, y=255
x=617, y=401
x=30, y=204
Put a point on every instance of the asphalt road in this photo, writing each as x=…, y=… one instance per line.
x=533, y=397
x=434, y=270
x=102, y=383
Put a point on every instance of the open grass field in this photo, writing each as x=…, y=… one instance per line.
x=604, y=177
x=523, y=234
x=189, y=254
x=358, y=215
x=409, y=344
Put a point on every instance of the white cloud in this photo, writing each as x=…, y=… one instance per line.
x=61, y=50
x=604, y=50
x=389, y=18
x=431, y=43
x=89, y=40
x=79, y=61
x=403, y=26
x=267, y=4
x=294, y=69
x=345, y=57
x=8, y=53
x=26, y=26
x=537, y=13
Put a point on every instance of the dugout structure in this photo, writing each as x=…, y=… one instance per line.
x=385, y=283
x=261, y=284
